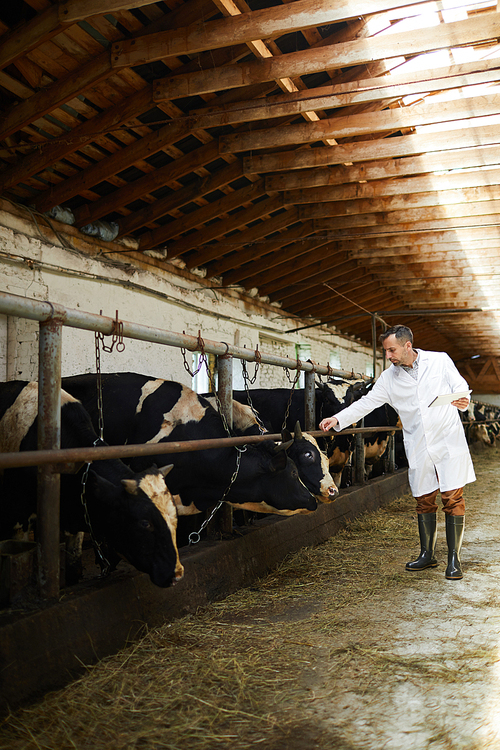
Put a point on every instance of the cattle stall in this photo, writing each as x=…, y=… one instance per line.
x=52, y=318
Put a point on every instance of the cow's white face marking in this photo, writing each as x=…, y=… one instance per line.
x=153, y=485
x=187, y=409
x=19, y=417
x=328, y=488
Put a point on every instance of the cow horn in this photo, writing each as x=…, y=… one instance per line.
x=297, y=431
x=166, y=469
x=285, y=435
x=283, y=446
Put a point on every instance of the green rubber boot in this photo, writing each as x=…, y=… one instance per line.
x=427, y=533
x=454, y=536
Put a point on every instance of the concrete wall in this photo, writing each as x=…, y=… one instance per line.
x=66, y=268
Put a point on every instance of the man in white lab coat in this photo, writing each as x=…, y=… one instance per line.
x=434, y=439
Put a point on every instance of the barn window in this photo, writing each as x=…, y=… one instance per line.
x=334, y=361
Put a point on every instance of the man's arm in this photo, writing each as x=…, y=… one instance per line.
x=359, y=409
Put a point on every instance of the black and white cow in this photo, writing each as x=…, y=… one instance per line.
x=272, y=404
x=132, y=515
x=143, y=409
x=311, y=462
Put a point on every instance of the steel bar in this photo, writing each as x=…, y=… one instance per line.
x=49, y=438
x=11, y=304
x=101, y=453
x=222, y=523
x=309, y=402
x=359, y=460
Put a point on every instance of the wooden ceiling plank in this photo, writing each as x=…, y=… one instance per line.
x=456, y=212
x=245, y=112
x=195, y=219
x=459, y=225
x=386, y=168
x=308, y=273
x=384, y=148
x=427, y=183
x=22, y=40
x=207, y=235
x=157, y=179
x=390, y=120
x=267, y=23
x=62, y=91
x=296, y=64
x=251, y=244
x=320, y=211
x=78, y=10
x=382, y=87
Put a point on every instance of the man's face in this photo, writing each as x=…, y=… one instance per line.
x=397, y=353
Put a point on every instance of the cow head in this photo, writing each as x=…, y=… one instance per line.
x=138, y=520
x=311, y=463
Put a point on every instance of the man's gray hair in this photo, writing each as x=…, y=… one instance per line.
x=402, y=334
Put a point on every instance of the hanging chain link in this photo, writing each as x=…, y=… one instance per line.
x=117, y=338
x=247, y=380
x=203, y=360
x=104, y=562
x=294, y=383
x=195, y=536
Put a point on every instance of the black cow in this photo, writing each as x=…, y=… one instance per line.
x=143, y=409
x=311, y=462
x=272, y=404
x=131, y=514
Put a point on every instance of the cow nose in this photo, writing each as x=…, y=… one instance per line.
x=332, y=491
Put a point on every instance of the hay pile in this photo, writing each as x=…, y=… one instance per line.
x=288, y=662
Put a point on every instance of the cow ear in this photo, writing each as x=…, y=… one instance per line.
x=285, y=435
x=166, y=469
x=298, y=431
x=278, y=461
x=130, y=485
x=101, y=488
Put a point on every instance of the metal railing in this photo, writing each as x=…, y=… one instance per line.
x=52, y=459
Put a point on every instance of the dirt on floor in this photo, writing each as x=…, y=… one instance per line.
x=339, y=648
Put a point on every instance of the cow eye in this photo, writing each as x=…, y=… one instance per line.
x=146, y=525
x=309, y=457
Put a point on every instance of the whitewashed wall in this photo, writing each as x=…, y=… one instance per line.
x=36, y=267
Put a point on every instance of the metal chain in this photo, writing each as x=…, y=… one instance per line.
x=295, y=381
x=246, y=381
x=104, y=562
x=195, y=536
x=203, y=360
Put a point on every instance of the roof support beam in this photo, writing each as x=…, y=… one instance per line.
x=268, y=23
x=390, y=120
x=333, y=57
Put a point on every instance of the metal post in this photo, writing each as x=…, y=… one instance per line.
x=374, y=344
x=359, y=457
x=223, y=521
x=49, y=437
x=310, y=402
x=391, y=454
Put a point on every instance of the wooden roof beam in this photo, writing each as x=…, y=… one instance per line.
x=384, y=148
x=320, y=212
x=382, y=89
x=386, y=168
x=296, y=64
x=389, y=120
x=267, y=23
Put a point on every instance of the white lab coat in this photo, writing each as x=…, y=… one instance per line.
x=434, y=437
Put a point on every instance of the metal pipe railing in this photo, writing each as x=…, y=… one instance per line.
x=100, y=453
x=44, y=311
